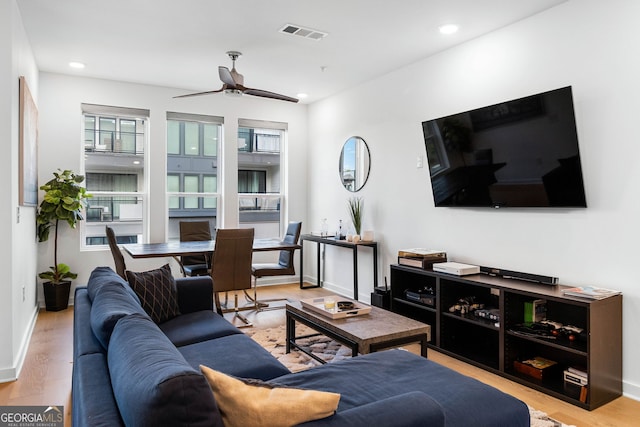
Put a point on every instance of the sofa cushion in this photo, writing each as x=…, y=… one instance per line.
x=152, y=383
x=259, y=404
x=110, y=304
x=372, y=377
x=105, y=276
x=236, y=355
x=84, y=340
x=93, y=401
x=157, y=292
x=196, y=327
x=411, y=409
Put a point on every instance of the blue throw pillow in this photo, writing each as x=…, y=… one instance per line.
x=157, y=292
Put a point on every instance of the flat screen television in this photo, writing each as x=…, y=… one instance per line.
x=518, y=153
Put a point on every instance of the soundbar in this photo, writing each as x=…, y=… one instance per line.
x=508, y=274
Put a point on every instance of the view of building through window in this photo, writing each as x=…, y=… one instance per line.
x=114, y=164
x=260, y=176
x=192, y=170
x=114, y=159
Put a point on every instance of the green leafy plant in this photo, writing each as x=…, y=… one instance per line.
x=355, y=210
x=63, y=200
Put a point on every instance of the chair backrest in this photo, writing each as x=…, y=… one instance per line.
x=231, y=265
x=118, y=258
x=291, y=236
x=194, y=231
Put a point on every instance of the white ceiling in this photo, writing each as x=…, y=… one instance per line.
x=181, y=43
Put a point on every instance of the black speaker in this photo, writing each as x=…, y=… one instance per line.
x=381, y=297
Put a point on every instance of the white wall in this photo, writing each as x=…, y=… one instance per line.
x=587, y=44
x=61, y=147
x=18, y=307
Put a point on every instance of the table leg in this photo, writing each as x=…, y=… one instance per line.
x=301, y=269
x=291, y=333
x=355, y=272
x=319, y=280
x=375, y=266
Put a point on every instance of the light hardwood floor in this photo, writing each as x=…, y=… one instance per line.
x=46, y=375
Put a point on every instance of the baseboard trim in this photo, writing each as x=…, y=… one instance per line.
x=12, y=373
x=632, y=391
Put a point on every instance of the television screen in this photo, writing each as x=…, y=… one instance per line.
x=519, y=153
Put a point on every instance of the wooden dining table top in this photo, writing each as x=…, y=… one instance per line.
x=177, y=248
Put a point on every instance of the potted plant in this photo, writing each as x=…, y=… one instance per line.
x=63, y=200
x=355, y=211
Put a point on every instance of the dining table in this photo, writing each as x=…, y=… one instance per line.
x=182, y=248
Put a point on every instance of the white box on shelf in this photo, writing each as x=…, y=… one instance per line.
x=457, y=268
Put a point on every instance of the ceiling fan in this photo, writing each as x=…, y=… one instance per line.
x=233, y=84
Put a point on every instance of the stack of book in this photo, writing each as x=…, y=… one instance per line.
x=535, y=311
x=590, y=292
x=421, y=258
x=576, y=378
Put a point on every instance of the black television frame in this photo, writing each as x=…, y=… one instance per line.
x=519, y=153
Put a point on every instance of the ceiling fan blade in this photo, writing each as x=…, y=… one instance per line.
x=226, y=77
x=267, y=94
x=200, y=93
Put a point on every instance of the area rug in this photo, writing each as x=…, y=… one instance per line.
x=273, y=339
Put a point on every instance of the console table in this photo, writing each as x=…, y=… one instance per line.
x=343, y=244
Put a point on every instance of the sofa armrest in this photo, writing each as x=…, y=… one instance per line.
x=413, y=409
x=195, y=294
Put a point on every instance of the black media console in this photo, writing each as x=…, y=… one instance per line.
x=491, y=339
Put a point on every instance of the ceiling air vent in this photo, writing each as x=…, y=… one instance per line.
x=307, y=33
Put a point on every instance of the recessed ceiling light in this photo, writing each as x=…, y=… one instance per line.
x=448, y=29
x=302, y=95
x=77, y=65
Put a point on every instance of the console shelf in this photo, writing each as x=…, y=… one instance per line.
x=497, y=346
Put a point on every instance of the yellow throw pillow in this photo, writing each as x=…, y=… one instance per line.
x=260, y=404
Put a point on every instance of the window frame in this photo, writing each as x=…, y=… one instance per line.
x=247, y=215
x=201, y=195
x=141, y=144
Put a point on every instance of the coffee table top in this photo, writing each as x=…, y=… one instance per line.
x=379, y=326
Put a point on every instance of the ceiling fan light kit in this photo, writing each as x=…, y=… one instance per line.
x=233, y=84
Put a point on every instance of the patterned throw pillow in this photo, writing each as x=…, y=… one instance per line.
x=157, y=292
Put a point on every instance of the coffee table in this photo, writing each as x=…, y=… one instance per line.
x=367, y=333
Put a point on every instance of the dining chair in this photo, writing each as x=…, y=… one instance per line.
x=284, y=266
x=118, y=258
x=231, y=268
x=195, y=231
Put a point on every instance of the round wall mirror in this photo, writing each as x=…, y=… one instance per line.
x=355, y=163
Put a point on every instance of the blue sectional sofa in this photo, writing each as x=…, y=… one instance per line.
x=131, y=371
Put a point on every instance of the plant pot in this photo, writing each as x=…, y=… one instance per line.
x=56, y=295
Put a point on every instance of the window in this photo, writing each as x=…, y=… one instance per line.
x=114, y=147
x=260, y=176
x=192, y=169
x=436, y=154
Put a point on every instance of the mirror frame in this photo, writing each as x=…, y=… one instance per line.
x=364, y=174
